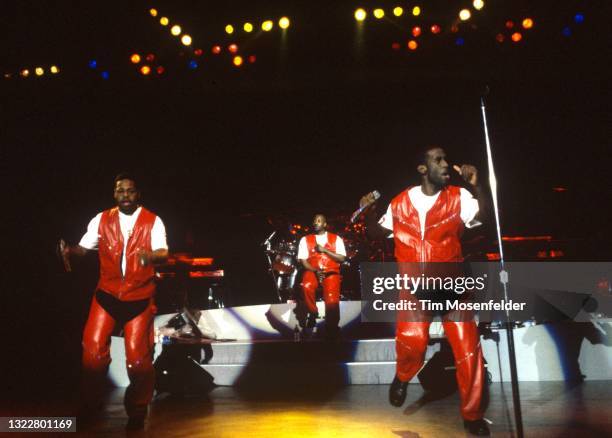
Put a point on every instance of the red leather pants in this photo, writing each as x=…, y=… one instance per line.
x=138, y=335
x=411, y=344
x=331, y=296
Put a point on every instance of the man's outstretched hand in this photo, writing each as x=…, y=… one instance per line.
x=468, y=172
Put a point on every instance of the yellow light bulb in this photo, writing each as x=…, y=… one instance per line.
x=164, y=21
x=465, y=14
x=267, y=25
x=175, y=30
x=248, y=27
x=379, y=13
x=229, y=29
x=284, y=23
x=39, y=71
x=416, y=11
x=153, y=12
x=54, y=69
x=186, y=40
x=360, y=14
x=398, y=11
x=478, y=4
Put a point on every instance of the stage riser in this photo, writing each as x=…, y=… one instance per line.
x=552, y=352
x=382, y=350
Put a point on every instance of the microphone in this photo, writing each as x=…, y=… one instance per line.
x=360, y=210
x=267, y=241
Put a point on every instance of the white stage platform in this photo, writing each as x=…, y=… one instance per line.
x=263, y=348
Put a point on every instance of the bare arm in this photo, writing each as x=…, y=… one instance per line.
x=157, y=257
x=470, y=175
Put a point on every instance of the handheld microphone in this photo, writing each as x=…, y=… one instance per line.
x=360, y=210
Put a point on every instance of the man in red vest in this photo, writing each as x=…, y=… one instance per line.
x=130, y=240
x=321, y=254
x=427, y=222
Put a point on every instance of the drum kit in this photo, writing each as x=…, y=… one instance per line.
x=281, y=250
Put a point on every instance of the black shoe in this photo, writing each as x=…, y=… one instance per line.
x=477, y=427
x=136, y=422
x=397, y=392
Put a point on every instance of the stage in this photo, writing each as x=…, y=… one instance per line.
x=550, y=409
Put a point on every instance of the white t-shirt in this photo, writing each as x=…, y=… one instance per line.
x=321, y=240
x=423, y=203
x=126, y=223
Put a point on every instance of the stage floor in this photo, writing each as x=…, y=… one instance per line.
x=550, y=409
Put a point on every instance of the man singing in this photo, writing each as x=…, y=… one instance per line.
x=321, y=254
x=130, y=240
x=427, y=222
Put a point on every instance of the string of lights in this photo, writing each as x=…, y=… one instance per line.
x=420, y=26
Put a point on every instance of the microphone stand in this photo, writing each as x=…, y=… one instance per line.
x=503, y=277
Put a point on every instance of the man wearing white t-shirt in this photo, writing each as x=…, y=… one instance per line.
x=426, y=223
x=130, y=240
x=321, y=254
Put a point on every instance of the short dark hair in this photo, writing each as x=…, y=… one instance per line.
x=420, y=156
x=125, y=175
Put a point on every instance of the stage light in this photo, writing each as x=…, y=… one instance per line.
x=39, y=71
x=216, y=50
x=509, y=24
x=164, y=21
x=416, y=31
x=175, y=30
x=233, y=48
x=416, y=11
x=395, y=46
x=229, y=29
x=566, y=31
x=379, y=13
x=465, y=14
x=145, y=70
x=248, y=27
x=105, y=75
x=25, y=73
x=197, y=52
x=150, y=57
x=435, y=29
x=153, y=12
x=460, y=41
x=398, y=11
x=478, y=4
x=186, y=40
x=192, y=65
x=135, y=58
x=516, y=37
x=527, y=23
x=237, y=61
x=160, y=69
x=579, y=18
x=267, y=25
x=500, y=37
x=54, y=69
x=412, y=45
x=284, y=23
x=252, y=59
x=360, y=14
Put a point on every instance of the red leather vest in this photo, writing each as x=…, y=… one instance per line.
x=319, y=260
x=137, y=282
x=443, y=229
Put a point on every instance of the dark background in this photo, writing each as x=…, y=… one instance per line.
x=325, y=115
